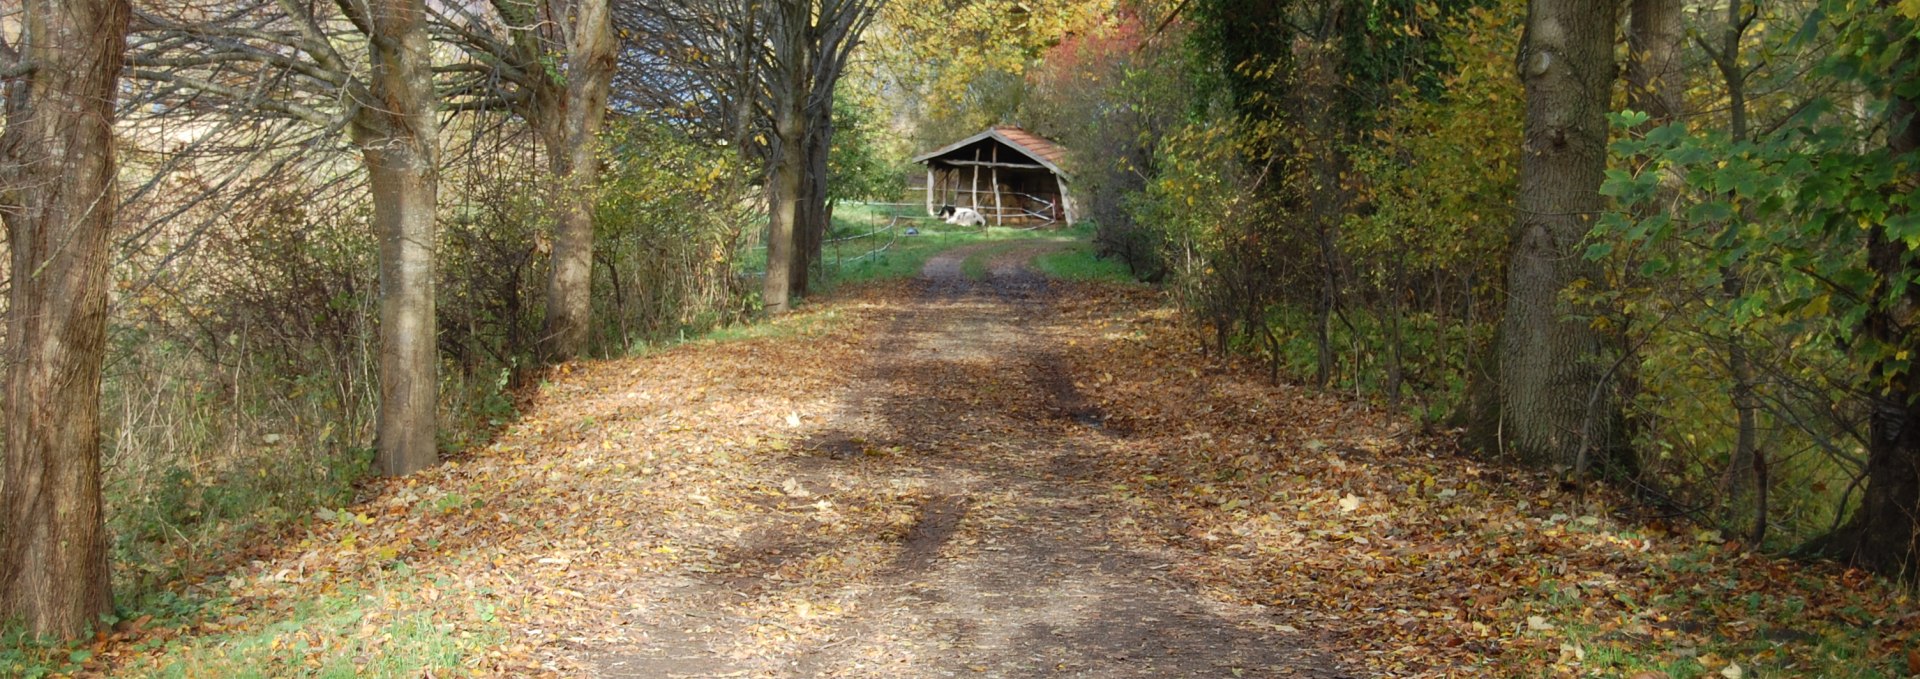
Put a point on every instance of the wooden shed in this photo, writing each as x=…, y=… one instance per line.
x=1007, y=174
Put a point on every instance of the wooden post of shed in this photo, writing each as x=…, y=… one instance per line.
x=930, y=211
x=1066, y=210
x=975, y=193
x=999, y=216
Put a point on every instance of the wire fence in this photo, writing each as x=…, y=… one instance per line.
x=1034, y=211
x=893, y=215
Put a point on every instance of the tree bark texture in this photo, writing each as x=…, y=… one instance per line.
x=397, y=131
x=56, y=191
x=573, y=116
x=789, y=89
x=816, y=215
x=1555, y=408
x=783, y=199
x=1654, y=42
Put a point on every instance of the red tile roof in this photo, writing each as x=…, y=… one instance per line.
x=1040, y=149
x=1035, y=145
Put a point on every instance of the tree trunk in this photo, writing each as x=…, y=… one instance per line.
x=783, y=198
x=574, y=146
x=1555, y=409
x=1746, y=465
x=973, y=192
x=1884, y=532
x=789, y=88
x=1654, y=80
x=1396, y=336
x=1322, y=135
x=56, y=187
x=396, y=130
x=815, y=217
x=1655, y=42
x=1323, y=340
x=744, y=112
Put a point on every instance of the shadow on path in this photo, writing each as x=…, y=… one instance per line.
x=1006, y=570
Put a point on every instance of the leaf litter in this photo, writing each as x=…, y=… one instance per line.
x=718, y=505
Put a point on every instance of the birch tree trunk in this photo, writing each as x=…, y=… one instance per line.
x=57, y=199
x=397, y=132
x=1555, y=407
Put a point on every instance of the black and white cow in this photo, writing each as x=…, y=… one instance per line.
x=962, y=216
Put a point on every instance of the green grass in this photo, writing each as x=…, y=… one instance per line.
x=975, y=265
x=857, y=261
x=862, y=249
x=326, y=635
x=1080, y=262
x=851, y=218
x=332, y=636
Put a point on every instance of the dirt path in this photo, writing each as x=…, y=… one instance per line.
x=992, y=477
x=1002, y=566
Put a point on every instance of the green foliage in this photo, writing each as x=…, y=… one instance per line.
x=1252, y=50
x=672, y=217
x=1252, y=177
x=969, y=59
x=1762, y=243
x=1202, y=203
x=1439, y=174
x=1784, y=213
x=1249, y=45
x=1110, y=96
x=26, y=657
x=859, y=164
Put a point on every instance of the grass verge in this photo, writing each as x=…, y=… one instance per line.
x=883, y=257
x=1080, y=262
x=341, y=633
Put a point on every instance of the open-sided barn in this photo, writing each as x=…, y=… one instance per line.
x=1007, y=174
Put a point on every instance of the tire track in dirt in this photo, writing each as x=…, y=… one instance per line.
x=1006, y=570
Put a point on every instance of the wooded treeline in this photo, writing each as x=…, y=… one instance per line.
x=1663, y=244
x=263, y=247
